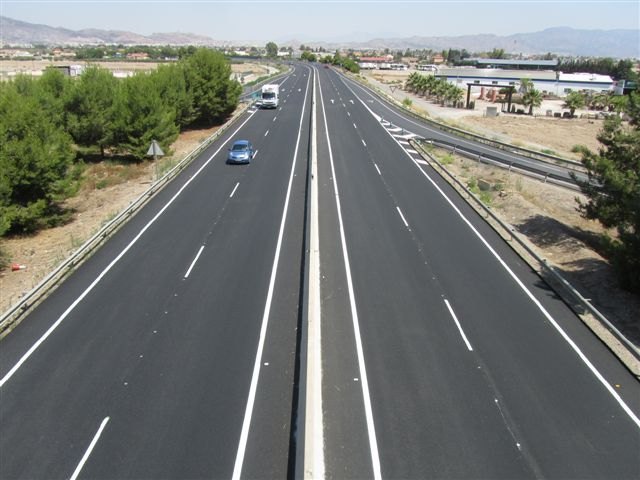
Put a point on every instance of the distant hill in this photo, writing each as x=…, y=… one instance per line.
x=563, y=41
x=16, y=32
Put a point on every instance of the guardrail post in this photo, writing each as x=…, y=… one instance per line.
x=546, y=175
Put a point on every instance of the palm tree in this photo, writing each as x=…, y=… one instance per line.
x=526, y=84
x=532, y=98
x=453, y=94
x=573, y=101
x=440, y=89
x=412, y=82
x=619, y=103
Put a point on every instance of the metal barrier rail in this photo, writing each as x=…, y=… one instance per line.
x=585, y=304
x=530, y=172
x=53, y=279
x=543, y=157
x=258, y=86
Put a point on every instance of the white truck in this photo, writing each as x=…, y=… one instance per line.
x=270, y=94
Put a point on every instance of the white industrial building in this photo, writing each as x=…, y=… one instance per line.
x=546, y=81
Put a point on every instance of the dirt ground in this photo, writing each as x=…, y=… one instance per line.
x=546, y=215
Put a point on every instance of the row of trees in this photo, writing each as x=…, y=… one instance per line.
x=340, y=61
x=438, y=88
x=48, y=124
x=154, y=52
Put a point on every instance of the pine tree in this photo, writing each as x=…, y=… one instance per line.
x=613, y=190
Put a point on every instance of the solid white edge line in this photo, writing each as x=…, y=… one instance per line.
x=522, y=286
x=186, y=275
x=69, y=309
x=314, y=466
x=238, y=184
x=85, y=457
x=366, y=397
x=244, y=434
x=455, y=319
x=404, y=220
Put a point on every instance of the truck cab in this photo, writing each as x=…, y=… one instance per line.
x=270, y=96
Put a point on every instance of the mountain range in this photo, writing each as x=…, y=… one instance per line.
x=563, y=41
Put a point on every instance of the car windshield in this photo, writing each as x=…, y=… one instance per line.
x=268, y=95
x=238, y=147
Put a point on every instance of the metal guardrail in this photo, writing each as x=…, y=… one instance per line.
x=545, y=266
x=258, y=86
x=541, y=175
x=540, y=156
x=53, y=279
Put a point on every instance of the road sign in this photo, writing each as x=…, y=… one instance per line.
x=155, y=150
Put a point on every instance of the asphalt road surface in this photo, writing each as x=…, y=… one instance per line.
x=181, y=349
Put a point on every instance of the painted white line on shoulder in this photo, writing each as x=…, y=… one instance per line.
x=411, y=150
x=421, y=161
x=366, y=396
x=246, y=423
x=64, y=315
x=85, y=457
x=402, y=217
x=237, y=184
x=186, y=275
x=455, y=319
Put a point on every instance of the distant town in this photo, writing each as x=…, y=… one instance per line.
x=549, y=73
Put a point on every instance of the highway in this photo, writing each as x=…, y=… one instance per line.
x=181, y=350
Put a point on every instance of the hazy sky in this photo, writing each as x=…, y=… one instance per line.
x=325, y=20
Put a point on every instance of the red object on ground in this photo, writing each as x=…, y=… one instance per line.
x=16, y=266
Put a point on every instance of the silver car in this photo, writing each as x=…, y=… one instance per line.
x=240, y=152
